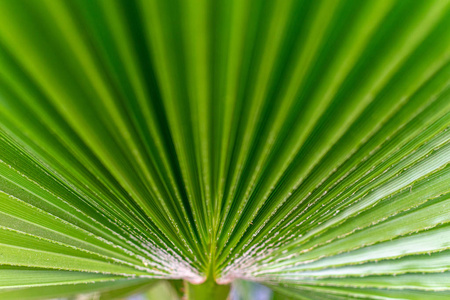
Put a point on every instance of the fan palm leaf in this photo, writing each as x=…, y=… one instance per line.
x=301, y=145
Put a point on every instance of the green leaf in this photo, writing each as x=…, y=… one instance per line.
x=301, y=145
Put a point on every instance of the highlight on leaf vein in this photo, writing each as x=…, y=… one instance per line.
x=228, y=149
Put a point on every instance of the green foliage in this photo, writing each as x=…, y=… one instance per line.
x=303, y=145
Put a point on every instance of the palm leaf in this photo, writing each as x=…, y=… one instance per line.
x=302, y=145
